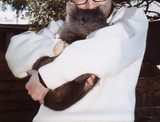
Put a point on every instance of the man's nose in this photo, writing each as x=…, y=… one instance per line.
x=91, y=4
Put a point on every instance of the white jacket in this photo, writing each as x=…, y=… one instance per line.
x=26, y=48
x=113, y=53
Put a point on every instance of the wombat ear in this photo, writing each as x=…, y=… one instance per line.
x=70, y=7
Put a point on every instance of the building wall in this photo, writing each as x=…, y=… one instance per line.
x=15, y=103
x=152, y=55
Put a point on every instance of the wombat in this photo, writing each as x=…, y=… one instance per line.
x=78, y=25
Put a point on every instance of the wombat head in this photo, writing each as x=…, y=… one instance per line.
x=83, y=22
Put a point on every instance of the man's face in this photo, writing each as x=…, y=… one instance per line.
x=92, y=4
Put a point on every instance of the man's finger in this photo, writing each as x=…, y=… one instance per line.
x=93, y=77
x=90, y=81
x=34, y=99
x=30, y=72
x=27, y=86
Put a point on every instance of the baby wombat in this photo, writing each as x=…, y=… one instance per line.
x=78, y=25
x=81, y=22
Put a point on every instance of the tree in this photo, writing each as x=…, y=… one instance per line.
x=41, y=13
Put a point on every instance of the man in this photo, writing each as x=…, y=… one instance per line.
x=113, y=53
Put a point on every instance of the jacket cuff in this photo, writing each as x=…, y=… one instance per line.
x=41, y=80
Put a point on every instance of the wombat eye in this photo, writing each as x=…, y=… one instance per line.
x=83, y=20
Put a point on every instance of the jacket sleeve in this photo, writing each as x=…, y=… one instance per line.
x=104, y=53
x=24, y=49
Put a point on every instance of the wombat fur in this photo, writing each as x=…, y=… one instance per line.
x=78, y=25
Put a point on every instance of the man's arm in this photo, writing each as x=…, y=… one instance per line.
x=62, y=97
x=70, y=92
x=65, y=95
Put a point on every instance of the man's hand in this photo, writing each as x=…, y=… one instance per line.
x=63, y=96
x=35, y=89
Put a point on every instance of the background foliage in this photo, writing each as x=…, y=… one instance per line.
x=41, y=12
